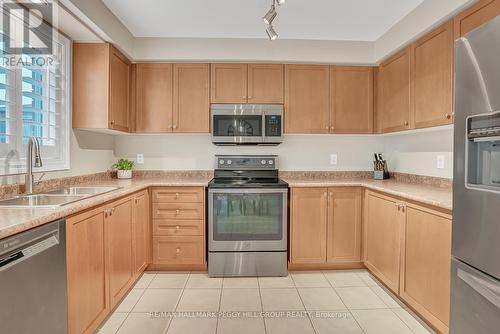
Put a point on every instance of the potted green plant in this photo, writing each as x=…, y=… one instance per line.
x=124, y=168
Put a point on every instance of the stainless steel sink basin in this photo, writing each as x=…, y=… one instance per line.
x=55, y=198
x=87, y=191
x=40, y=201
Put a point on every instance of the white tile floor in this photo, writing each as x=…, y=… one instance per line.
x=343, y=302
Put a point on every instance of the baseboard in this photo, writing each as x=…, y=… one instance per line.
x=325, y=266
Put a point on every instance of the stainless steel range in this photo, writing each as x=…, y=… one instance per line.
x=247, y=218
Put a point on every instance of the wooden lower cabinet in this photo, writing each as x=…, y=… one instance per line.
x=119, y=248
x=178, y=228
x=325, y=225
x=425, y=265
x=383, y=227
x=344, y=225
x=88, y=302
x=107, y=249
x=141, y=232
x=408, y=248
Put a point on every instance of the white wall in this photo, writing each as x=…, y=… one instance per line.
x=414, y=152
x=297, y=152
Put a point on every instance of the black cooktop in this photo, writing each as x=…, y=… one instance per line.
x=247, y=183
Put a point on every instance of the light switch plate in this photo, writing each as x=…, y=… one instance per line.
x=440, y=162
x=333, y=159
x=140, y=158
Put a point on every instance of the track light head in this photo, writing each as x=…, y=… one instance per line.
x=270, y=16
x=271, y=33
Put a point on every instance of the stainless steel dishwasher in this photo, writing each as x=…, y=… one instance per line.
x=33, y=281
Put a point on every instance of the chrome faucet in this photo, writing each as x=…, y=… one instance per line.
x=32, y=142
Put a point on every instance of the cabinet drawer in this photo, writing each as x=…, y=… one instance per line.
x=174, y=227
x=179, y=195
x=178, y=211
x=178, y=250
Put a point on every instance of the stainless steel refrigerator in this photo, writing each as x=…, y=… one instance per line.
x=475, y=277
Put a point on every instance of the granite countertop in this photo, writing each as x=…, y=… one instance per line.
x=16, y=220
x=426, y=194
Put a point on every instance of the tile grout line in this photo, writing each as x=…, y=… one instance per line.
x=261, y=306
x=220, y=305
x=178, y=300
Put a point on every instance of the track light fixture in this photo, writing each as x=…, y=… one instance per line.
x=269, y=18
x=271, y=33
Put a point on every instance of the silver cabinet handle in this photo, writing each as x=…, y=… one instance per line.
x=486, y=289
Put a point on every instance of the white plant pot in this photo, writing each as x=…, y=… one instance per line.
x=124, y=174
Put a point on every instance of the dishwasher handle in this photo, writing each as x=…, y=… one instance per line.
x=39, y=246
x=11, y=258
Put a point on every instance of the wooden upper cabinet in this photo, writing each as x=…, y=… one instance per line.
x=88, y=303
x=351, y=99
x=101, y=87
x=119, y=230
x=480, y=13
x=425, y=270
x=153, y=98
x=142, y=231
x=382, y=238
x=394, y=79
x=228, y=83
x=307, y=98
x=432, y=61
x=119, y=98
x=309, y=208
x=344, y=225
x=265, y=83
x=191, y=108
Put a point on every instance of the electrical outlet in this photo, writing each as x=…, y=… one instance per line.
x=333, y=159
x=140, y=158
x=440, y=162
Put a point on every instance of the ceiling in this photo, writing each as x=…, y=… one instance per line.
x=352, y=20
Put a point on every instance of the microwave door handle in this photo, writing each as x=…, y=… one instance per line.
x=486, y=289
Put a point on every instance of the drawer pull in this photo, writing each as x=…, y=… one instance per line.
x=177, y=227
x=176, y=195
x=177, y=212
x=177, y=250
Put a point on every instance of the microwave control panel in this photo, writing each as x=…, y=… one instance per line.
x=273, y=126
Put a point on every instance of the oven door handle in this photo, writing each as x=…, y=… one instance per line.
x=248, y=191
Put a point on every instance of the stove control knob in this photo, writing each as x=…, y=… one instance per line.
x=263, y=162
x=229, y=162
x=270, y=162
x=221, y=162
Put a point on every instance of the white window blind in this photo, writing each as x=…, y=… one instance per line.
x=35, y=101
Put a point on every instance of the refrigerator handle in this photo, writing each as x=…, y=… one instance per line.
x=486, y=289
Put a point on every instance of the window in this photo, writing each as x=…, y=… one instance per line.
x=35, y=101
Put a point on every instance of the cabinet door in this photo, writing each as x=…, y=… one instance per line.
x=309, y=211
x=119, y=99
x=351, y=99
x=191, y=109
x=265, y=83
x=383, y=227
x=426, y=265
x=154, y=98
x=88, y=303
x=344, y=225
x=433, y=78
x=229, y=83
x=394, y=93
x=471, y=18
x=142, y=232
x=307, y=99
x=119, y=247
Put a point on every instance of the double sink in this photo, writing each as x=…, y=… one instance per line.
x=55, y=198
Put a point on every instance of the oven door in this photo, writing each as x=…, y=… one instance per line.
x=245, y=220
x=233, y=124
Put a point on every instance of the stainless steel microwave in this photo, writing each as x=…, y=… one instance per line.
x=246, y=124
